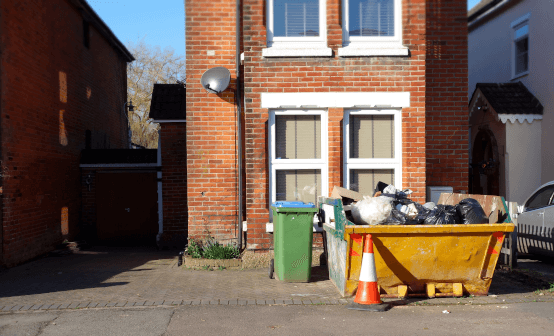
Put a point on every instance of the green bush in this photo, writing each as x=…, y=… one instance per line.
x=194, y=249
x=211, y=249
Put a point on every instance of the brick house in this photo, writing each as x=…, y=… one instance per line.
x=63, y=85
x=323, y=93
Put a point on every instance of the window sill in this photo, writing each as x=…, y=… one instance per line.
x=359, y=50
x=296, y=52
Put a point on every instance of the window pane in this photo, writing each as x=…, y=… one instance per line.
x=298, y=136
x=371, y=17
x=365, y=180
x=295, y=18
x=298, y=185
x=371, y=136
x=522, y=48
x=541, y=198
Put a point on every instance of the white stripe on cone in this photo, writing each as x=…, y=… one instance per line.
x=367, y=273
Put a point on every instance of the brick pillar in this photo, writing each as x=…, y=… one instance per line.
x=211, y=122
x=447, y=127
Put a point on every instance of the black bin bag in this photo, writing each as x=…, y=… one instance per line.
x=442, y=214
x=397, y=218
x=470, y=212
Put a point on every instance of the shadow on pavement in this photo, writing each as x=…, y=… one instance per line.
x=97, y=267
x=530, y=276
x=319, y=273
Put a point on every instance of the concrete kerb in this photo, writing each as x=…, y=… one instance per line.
x=267, y=302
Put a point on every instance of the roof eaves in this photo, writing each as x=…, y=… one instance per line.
x=90, y=15
x=484, y=9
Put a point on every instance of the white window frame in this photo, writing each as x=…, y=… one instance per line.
x=393, y=163
x=519, y=23
x=373, y=45
x=299, y=164
x=297, y=46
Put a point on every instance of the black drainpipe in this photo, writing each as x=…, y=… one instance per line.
x=239, y=109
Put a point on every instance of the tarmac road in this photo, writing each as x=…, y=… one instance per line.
x=513, y=319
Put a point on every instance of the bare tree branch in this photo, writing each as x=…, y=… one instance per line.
x=152, y=65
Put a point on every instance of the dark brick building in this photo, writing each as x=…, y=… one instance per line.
x=63, y=76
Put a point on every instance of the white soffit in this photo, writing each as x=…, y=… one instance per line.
x=336, y=99
x=521, y=118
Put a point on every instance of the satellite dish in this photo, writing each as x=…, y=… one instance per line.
x=216, y=80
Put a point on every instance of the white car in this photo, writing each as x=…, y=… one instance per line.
x=535, y=222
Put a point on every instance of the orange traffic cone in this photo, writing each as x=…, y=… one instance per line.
x=367, y=295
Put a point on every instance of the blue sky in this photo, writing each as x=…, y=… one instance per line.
x=471, y=3
x=159, y=22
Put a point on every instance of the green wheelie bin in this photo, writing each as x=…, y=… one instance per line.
x=292, y=241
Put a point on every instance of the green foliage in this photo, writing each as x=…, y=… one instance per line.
x=194, y=249
x=211, y=249
x=151, y=65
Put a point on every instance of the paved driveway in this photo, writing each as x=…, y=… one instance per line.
x=122, y=275
x=107, y=277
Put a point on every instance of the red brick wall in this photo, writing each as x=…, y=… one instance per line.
x=211, y=122
x=44, y=120
x=447, y=125
x=211, y=117
x=174, y=186
x=329, y=74
x=88, y=199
